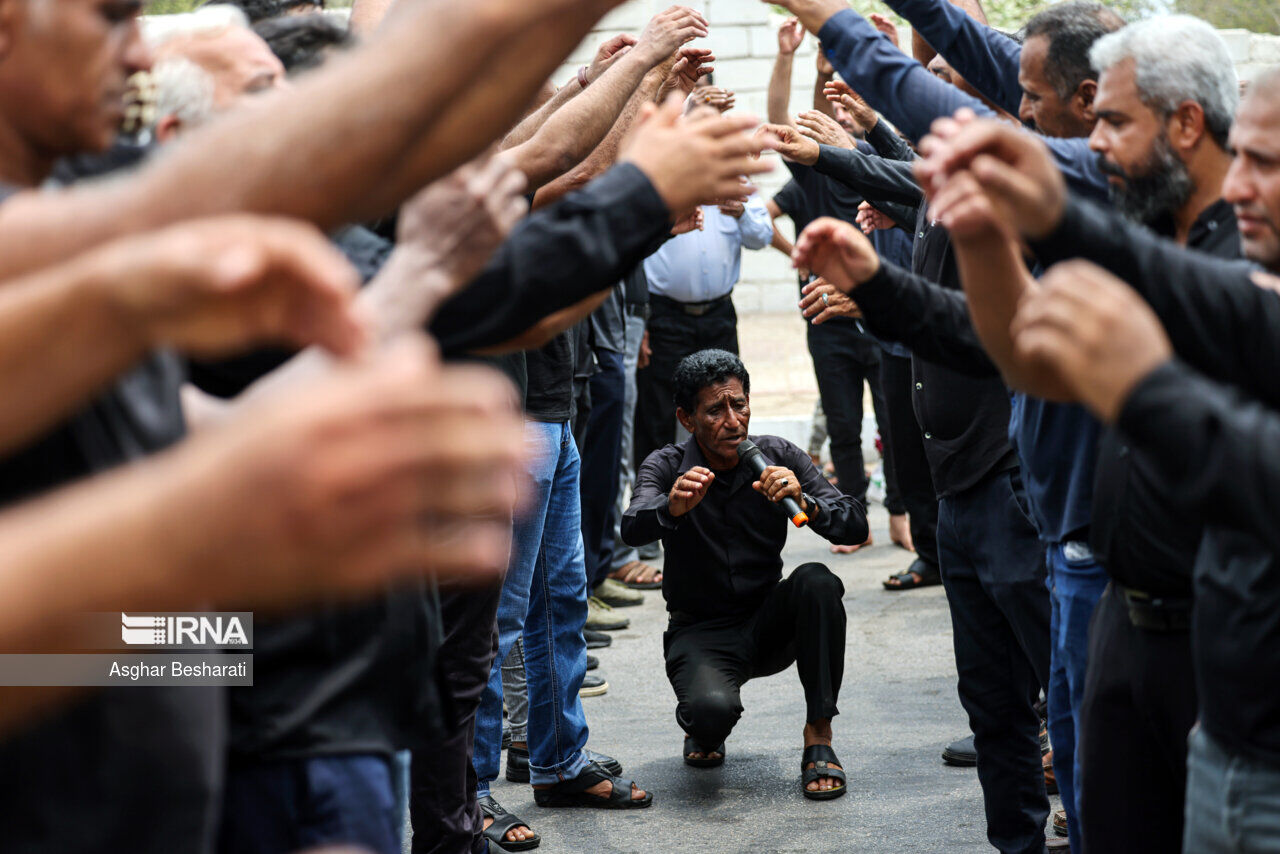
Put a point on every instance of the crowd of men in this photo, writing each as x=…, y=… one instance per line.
x=419, y=355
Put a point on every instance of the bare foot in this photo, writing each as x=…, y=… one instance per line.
x=699, y=754
x=819, y=732
x=900, y=531
x=519, y=833
x=848, y=550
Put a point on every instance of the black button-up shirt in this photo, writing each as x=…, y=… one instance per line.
x=725, y=555
x=1210, y=422
x=1146, y=540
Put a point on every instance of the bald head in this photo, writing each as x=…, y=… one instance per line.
x=1253, y=184
x=237, y=60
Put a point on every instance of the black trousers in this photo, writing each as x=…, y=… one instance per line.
x=601, y=460
x=442, y=791
x=1131, y=752
x=844, y=359
x=802, y=620
x=993, y=569
x=910, y=465
x=672, y=336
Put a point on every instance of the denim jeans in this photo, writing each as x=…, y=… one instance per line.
x=1076, y=583
x=1233, y=803
x=545, y=597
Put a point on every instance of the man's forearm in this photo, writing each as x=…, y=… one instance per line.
x=319, y=152
x=995, y=281
x=62, y=338
x=778, y=105
x=531, y=123
x=575, y=130
x=820, y=102
x=602, y=158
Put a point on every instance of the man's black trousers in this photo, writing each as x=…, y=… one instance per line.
x=1131, y=753
x=993, y=568
x=905, y=447
x=673, y=334
x=844, y=359
x=442, y=793
x=601, y=460
x=802, y=620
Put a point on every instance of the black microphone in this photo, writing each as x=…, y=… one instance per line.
x=754, y=458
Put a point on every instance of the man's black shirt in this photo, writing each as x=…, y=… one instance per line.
x=1209, y=421
x=725, y=555
x=964, y=414
x=1145, y=540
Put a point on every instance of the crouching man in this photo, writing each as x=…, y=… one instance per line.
x=732, y=615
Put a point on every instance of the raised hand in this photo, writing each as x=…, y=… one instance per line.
x=812, y=13
x=689, y=489
x=392, y=466
x=608, y=53
x=840, y=93
x=870, y=220
x=825, y=68
x=1012, y=166
x=790, y=143
x=822, y=301
x=695, y=161
x=692, y=65
x=884, y=25
x=692, y=221
x=215, y=286
x=790, y=36
x=1091, y=329
x=668, y=31
x=836, y=251
x=823, y=129
x=710, y=96
x=459, y=220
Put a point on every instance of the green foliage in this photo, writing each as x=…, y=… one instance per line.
x=1260, y=16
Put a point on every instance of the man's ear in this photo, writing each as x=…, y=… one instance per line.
x=1082, y=101
x=167, y=128
x=12, y=13
x=685, y=419
x=1186, y=127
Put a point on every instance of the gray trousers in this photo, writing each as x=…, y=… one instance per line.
x=1233, y=802
x=515, y=692
x=624, y=554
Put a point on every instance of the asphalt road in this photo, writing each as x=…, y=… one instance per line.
x=899, y=709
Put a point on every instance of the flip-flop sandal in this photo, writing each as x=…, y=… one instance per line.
x=908, y=580
x=503, y=822
x=824, y=760
x=573, y=793
x=692, y=746
x=621, y=573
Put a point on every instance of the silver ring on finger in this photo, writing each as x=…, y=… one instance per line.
x=783, y=482
x=826, y=301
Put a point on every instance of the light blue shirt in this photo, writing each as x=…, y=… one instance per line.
x=702, y=266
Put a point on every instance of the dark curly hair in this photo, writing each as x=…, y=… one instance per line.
x=703, y=368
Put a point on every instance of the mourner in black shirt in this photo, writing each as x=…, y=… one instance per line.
x=732, y=615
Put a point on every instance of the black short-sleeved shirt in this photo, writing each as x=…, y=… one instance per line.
x=123, y=769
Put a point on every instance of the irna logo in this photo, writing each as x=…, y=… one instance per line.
x=214, y=630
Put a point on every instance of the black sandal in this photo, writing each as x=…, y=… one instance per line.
x=573, y=793
x=908, y=579
x=503, y=822
x=824, y=760
x=692, y=746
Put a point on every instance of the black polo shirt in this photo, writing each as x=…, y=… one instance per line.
x=725, y=555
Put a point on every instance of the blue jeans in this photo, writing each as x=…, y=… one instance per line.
x=1233, y=803
x=544, y=597
x=282, y=806
x=1076, y=583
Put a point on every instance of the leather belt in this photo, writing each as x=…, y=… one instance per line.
x=1163, y=614
x=695, y=309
